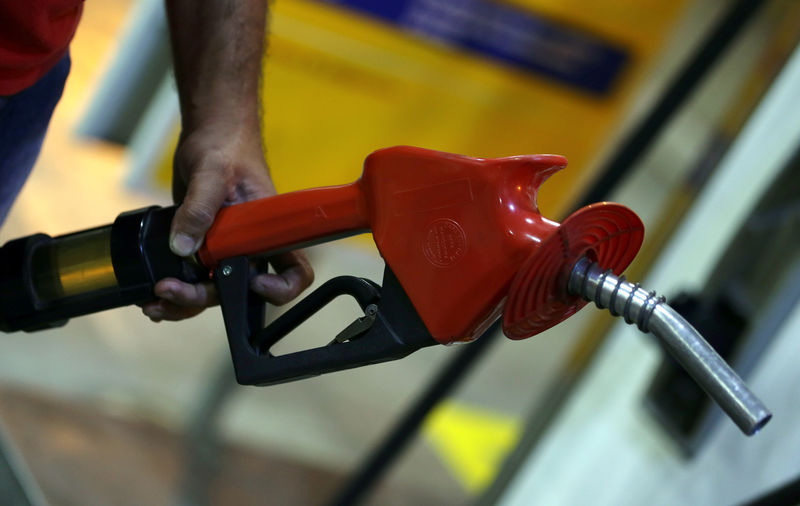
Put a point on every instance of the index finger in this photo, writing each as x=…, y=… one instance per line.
x=293, y=274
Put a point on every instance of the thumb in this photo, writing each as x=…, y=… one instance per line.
x=206, y=192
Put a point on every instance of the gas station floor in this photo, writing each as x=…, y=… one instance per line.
x=80, y=455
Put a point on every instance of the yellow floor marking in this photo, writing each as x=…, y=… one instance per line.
x=471, y=441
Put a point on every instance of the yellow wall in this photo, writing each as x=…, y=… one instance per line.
x=339, y=85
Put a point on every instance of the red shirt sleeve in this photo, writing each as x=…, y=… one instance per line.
x=34, y=36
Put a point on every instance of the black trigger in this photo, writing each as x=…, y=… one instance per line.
x=359, y=327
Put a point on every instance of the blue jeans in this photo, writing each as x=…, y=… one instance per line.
x=24, y=118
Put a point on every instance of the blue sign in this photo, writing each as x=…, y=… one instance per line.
x=506, y=34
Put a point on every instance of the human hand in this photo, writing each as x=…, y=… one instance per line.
x=216, y=165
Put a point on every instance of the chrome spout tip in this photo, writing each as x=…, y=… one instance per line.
x=651, y=314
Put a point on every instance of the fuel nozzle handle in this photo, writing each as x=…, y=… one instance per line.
x=651, y=314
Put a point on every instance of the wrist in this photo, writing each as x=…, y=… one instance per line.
x=228, y=115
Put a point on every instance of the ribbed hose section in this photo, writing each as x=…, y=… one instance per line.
x=651, y=314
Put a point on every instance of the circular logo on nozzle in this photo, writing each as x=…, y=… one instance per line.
x=444, y=243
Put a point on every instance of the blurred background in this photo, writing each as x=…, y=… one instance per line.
x=685, y=111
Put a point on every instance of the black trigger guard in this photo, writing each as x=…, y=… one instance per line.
x=364, y=291
x=396, y=332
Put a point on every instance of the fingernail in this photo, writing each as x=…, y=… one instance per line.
x=167, y=294
x=153, y=313
x=182, y=245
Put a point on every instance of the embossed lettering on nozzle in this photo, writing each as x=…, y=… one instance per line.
x=651, y=314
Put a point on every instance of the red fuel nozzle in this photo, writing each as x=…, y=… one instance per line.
x=463, y=242
x=463, y=236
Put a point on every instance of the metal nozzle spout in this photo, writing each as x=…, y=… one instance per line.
x=651, y=314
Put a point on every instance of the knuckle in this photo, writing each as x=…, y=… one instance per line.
x=281, y=299
x=307, y=276
x=292, y=292
x=199, y=215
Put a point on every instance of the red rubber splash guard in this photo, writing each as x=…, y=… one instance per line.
x=610, y=234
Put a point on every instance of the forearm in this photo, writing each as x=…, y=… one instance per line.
x=217, y=50
x=217, y=47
